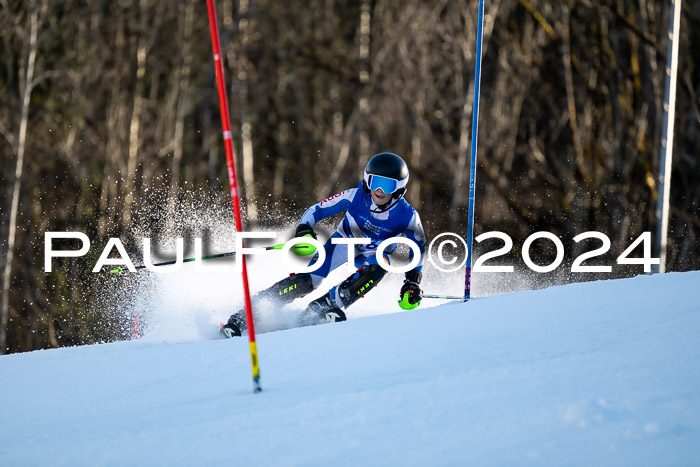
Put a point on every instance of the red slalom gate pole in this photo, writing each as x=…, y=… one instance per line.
x=233, y=185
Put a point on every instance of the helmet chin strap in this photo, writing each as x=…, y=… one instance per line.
x=384, y=207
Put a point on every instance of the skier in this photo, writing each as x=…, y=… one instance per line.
x=377, y=210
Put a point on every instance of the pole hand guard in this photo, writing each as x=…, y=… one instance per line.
x=304, y=249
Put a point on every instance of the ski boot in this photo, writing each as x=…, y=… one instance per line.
x=326, y=308
x=283, y=292
x=234, y=325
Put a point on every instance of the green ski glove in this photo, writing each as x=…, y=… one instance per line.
x=411, y=293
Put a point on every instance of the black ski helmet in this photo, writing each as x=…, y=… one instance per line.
x=388, y=171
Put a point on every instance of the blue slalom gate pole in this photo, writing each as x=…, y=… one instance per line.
x=472, y=168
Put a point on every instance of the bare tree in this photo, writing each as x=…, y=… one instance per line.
x=27, y=85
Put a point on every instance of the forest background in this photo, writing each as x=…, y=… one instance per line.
x=109, y=119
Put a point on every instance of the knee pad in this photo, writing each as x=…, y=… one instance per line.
x=357, y=285
x=290, y=288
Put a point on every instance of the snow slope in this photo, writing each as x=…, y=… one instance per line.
x=602, y=373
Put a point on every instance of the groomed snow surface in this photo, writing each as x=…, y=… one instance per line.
x=600, y=373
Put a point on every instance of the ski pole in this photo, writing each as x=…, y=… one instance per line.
x=298, y=249
x=443, y=297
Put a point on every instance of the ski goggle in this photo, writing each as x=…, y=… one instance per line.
x=388, y=185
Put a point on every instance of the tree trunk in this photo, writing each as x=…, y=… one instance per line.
x=251, y=201
x=144, y=44
x=17, y=185
x=183, y=105
x=365, y=30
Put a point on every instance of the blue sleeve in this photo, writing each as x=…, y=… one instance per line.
x=414, y=232
x=328, y=207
